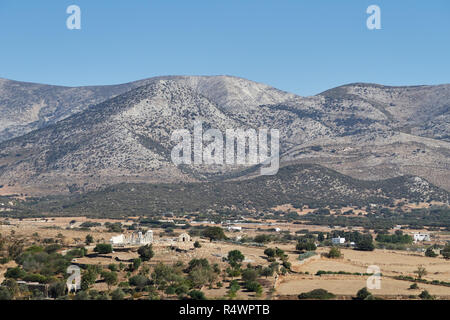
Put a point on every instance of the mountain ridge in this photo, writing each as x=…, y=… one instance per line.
x=364, y=131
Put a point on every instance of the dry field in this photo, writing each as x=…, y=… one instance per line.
x=390, y=262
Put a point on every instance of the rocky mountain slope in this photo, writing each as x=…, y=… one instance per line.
x=369, y=132
x=25, y=107
x=298, y=185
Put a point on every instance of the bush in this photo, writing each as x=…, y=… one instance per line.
x=446, y=251
x=306, y=255
x=197, y=295
x=15, y=273
x=269, y=252
x=430, y=253
x=365, y=243
x=35, y=278
x=249, y=275
x=235, y=257
x=363, y=294
x=305, y=246
x=262, y=238
x=425, y=295
x=321, y=294
x=414, y=286
x=139, y=281
x=103, y=248
x=5, y=294
x=253, y=286
x=334, y=253
x=146, y=252
x=214, y=233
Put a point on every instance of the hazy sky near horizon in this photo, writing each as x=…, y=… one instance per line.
x=301, y=46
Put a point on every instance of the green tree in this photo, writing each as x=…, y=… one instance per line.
x=365, y=243
x=305, y=246
x=197, y=295
x=197, y=244
x=57, y=289
x=320, y=294
x=446, y=251
x=146, y=252
x=103, y=248
x=267, y=272
x=5, y=294
x=136, y=263
x=269, y=252
x=110, y=278
x=89, y=239
x=430, y=253
x=249, y=275
x=235, y=257
x=214, y=233
x=15, y=273
x=421, y=271
x=200, y=276
x=138, y=281
x=233, y=288
x=334, y=253
x=320, y=237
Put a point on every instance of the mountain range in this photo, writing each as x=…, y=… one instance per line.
x=60, y=140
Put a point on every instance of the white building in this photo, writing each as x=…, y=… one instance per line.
x=184, y=237
x=234, y=228
x=338, y=240
x=136, y=238
x=421, y=237
x=120, y=239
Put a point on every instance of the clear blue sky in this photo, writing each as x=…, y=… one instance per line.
x=302, y=46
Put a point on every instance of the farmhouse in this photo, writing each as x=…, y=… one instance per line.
x=421, y=237
x=184, y=237
x=338, y=240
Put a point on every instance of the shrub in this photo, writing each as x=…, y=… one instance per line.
x=103, y=248
x=430, y=253
x=365, y=243
x=334, y=253
x=15, y=273
x=5, y=294
x=197, y=295
x=305, y=246
x=249, y=275
x=146, y=252
x=363, y=294
x=214, y=233
x=425, y=295
x=253, y=286
x=197, y=244
x=321, y=294
x=306, y=255
x=446, y=251
x=414, y=286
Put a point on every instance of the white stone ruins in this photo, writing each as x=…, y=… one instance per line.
x=136, y=238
